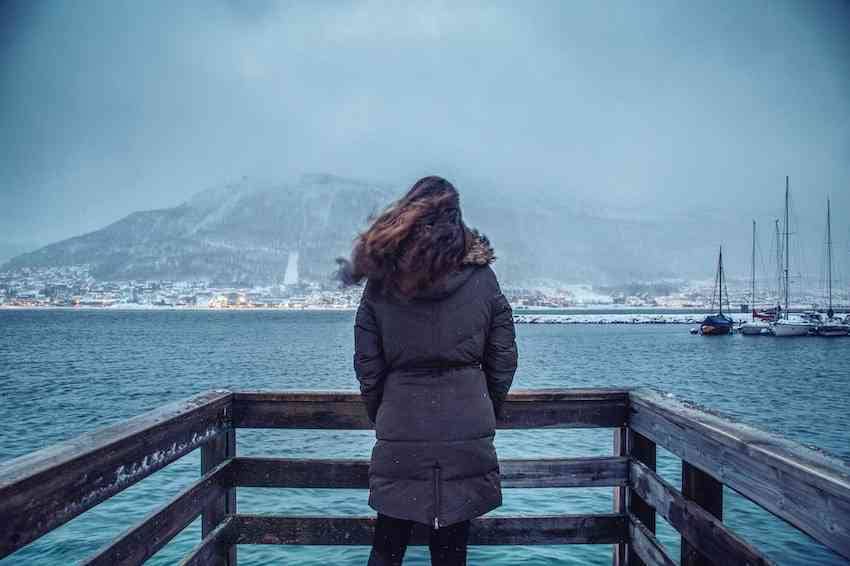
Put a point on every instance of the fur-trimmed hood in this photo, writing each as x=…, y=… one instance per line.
x=479, y=251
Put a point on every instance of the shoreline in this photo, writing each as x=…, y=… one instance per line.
x=572, y=316
x=620, y=319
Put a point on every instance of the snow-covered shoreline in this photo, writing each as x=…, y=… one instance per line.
x=635, y=316
x=625, y=318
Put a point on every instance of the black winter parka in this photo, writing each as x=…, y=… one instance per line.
x=434, y=372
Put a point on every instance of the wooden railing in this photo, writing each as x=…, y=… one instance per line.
x=41, y=491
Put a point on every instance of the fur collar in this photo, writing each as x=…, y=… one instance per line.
x=478, y=249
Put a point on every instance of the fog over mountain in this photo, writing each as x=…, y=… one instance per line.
x=251, y=230
x=592, y=140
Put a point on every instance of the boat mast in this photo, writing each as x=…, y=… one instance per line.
x=829, y=313
x=720, y=277
x=778, y=269
x=787, y=247
x=753, y=270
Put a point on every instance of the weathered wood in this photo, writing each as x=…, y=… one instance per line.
x=45, y=489
x=646, y=547
x=221, y=449
x=702, y=530
x=578, y=408
x=564, y=529
x=589, y=408
x=641, y=449
x=143, y=540
x=214, y=548
x=808, y=489
x=707, y=492
x=566, y=472
x=621, y=449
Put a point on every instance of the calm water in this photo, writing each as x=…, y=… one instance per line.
x=66, y=372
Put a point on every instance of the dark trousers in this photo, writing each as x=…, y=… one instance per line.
x=447, y=544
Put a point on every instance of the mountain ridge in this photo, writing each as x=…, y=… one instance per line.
x=245, y=231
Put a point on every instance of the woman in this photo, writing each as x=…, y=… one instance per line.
x=435, y=355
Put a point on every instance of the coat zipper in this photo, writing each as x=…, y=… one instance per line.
x=437, y=495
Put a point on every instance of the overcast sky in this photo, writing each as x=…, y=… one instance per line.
x=647, y=108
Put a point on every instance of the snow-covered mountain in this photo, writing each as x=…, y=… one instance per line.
x=250, y=231
x=239, y=232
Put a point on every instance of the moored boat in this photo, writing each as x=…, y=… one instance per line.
x=787, y=325
x=717, y=324
x=755, y=328
x=791, y=326
x=831, y=327
x=757, y=325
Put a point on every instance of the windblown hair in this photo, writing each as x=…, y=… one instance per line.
x=413, y=243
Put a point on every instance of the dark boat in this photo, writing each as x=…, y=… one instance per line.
x=717, y=324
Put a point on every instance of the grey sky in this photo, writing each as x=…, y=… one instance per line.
x=638, y=108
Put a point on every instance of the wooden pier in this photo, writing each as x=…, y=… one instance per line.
x=43, y=490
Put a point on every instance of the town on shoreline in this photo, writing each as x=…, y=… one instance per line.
x=75, y=287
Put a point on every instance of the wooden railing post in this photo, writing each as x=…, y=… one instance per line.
x=621, y=440
x=216, y=451
x=643, y=450
x=706, y=492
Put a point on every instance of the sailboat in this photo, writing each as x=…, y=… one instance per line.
x=717, y=324
x=755, y=326
x=774, y=313
x=831, y=327
x=787, y=325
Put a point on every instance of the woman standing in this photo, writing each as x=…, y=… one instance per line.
x=435, y=355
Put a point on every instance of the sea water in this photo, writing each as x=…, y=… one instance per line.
x=64, y=372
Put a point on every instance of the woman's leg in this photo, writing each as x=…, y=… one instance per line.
x=390, y=542
x=448, y=545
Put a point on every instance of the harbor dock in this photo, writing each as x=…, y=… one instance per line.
x=807, y=489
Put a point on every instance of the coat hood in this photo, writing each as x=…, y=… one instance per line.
x=479, y=253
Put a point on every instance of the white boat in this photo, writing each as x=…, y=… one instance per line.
x=754, y=328
x=787, y=325
x=791, y=326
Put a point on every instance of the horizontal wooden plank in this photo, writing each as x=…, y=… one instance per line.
x=214, y=547
x=153, y=532
x=567, y=472
x=700, y=528
x=548, y=408
x=565, y=529
x=301, y=410
x=646, y=546
x=588, y=408
x=808, y=489
x=609, y=471
x=45, y=489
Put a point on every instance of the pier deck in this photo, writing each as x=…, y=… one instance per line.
x=43, y=490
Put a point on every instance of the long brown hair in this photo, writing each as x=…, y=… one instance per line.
x=413, y=243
